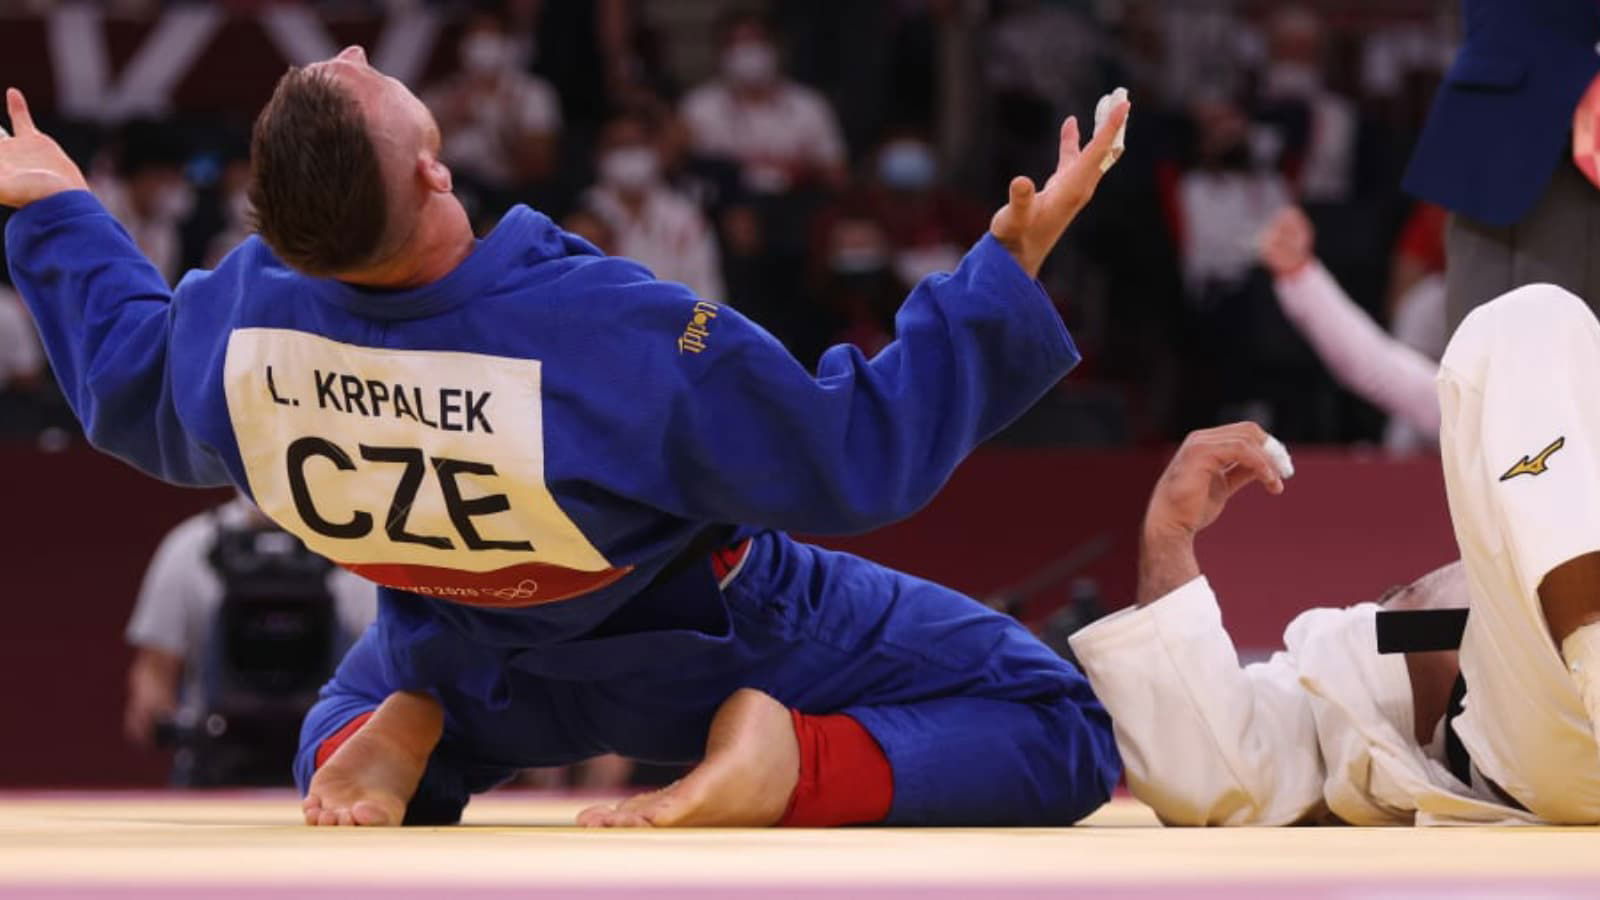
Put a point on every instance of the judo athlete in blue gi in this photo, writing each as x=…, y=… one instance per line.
x=573, y=481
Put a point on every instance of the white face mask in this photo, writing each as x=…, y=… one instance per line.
x=907, y=165
x=629, y=167
x=483, y=53
x=750, y=63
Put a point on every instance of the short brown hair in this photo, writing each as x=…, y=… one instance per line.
x=315, y=180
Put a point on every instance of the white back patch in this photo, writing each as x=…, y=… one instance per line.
x=402, y=464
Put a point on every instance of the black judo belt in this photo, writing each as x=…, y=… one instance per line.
x=1426, y=631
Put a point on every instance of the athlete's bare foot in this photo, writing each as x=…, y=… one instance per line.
x=372, y=776
x=751, y=767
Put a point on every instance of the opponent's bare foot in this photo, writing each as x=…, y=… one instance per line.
x=372, y=776
x=751, y=767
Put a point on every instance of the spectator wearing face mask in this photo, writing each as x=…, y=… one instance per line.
x=500, y=124
x=651, y=224
x=1223, y=201
x=1316, y=128
x=141, y=183
x=1241, y=358
x=929, y=227
x=782, y=134
x=859, y=285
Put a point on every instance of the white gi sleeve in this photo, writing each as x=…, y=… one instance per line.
x=1204, y=740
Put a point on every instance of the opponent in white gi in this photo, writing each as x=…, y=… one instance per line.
x=1330, y=729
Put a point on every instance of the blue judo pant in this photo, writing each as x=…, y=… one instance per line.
x=981, y=723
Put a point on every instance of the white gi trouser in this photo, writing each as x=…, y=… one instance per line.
x=1521, y=374
x=1325, y=726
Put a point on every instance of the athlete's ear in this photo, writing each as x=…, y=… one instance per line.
x=434, y=173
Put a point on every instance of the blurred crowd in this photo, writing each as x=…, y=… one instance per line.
x=808, y=162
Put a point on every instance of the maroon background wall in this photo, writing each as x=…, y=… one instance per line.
x=82, y=527
x=233, y=77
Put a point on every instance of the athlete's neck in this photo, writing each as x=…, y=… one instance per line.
x=441, y=241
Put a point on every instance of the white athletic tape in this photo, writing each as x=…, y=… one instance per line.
x=1279, y=455
x=1102, y=111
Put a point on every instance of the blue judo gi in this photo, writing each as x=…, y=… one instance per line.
x=529, y=457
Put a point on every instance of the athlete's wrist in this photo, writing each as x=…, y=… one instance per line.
x=1166, y=560
x=1293, y=271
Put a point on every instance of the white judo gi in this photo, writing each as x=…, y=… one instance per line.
x=1325, y=726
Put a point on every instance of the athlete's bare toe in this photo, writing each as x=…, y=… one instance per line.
x=373, y=775
x=751, y=766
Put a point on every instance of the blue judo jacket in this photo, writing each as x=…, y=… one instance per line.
x=1502, y=120
x=516, y=451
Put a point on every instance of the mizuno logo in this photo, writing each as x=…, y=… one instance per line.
x=1535, y=465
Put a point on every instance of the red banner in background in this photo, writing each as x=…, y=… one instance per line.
x=83, y=528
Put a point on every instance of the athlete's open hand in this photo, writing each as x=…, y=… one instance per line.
x=1031, y=223
x=32, y=166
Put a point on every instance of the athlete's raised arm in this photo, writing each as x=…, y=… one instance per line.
x=102, y=309
x=748, y=435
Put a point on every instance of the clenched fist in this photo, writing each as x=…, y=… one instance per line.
x=1285, y=244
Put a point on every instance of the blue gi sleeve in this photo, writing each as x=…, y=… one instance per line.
x=747, y=435
x=104, y=314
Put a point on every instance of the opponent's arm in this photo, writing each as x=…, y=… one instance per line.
x=101, y=308
x=1205, y=741
x=748, y=435
x=1366, y=359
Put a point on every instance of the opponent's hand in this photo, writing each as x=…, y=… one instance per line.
x=1285, y=244
x=32, y=166
x=1031, y=223
x=1210, y=467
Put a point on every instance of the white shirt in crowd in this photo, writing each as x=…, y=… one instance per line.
x=794, y=128
x=158, y=237
x=20, y=354
x=520, y=104
x=181, y=593
x=1222, y=212
x=669, y=236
